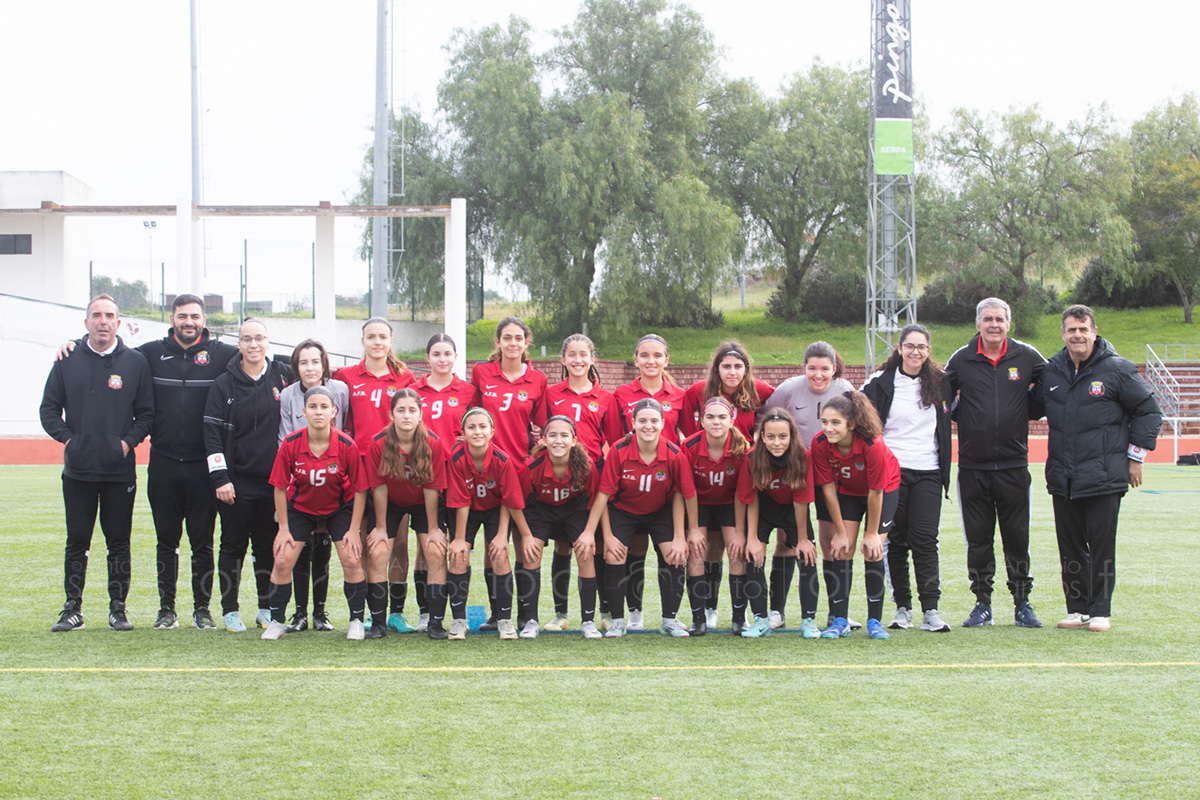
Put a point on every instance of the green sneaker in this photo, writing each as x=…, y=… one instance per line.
x=397, y=623
x=809, y=629
x=673, y=627
x=167, y=619
x=760, y=628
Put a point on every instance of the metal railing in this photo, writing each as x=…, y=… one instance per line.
x=1186, y=353
x=1164, y=385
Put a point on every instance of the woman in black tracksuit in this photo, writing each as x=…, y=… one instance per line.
x=913, y=399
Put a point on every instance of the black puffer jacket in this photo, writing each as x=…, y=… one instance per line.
x=1094, y=415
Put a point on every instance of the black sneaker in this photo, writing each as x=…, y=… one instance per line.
x=377, y=630
x=738, y=627
x=167, y=619
x=116, y=617
x=321, y=621
x=202, y=619
x=489, y=626
x=71, y=619
x=699, y=626
x=299, y=623
x=435, y=630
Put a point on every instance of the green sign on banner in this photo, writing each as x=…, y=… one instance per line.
x=893, y=147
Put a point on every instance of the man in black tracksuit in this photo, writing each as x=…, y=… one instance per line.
x=241, y=437
x=106, y=395
x=185, y=364
x=1103, y=419
x=992, y=377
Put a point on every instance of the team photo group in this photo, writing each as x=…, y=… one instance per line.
x=781, y=486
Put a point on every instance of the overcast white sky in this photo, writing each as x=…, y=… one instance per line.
x=101, y=90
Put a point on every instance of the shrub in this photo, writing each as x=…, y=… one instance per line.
x=838, y=297
x=1147, y=289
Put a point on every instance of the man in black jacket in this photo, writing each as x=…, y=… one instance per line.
x=1103, y=420
x=992, y=377
x=100, y=404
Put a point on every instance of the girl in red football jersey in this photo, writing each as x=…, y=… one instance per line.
x=774, y=490
x=598, y=425
x=318, y=478
x=649, y=483
x=407, y=471
x=715, y=455
x=651, y=358
x=372, y=383
x=858, y=475
x=560, y=485
x=483, y=487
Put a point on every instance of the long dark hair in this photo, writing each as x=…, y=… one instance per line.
x=520, y=323
x=745, y=396
x=796, y=456
x=858, y=411
x=931, y=373
x=420, y=458
x=579, y=464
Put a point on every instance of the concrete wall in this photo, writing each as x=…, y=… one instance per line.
x=57, y=269
x=347, y=337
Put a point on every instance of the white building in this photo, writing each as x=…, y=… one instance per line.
x=44, y=256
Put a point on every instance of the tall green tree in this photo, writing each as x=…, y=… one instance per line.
x=1165, y=206
x=1027, y=198
x=796, y=168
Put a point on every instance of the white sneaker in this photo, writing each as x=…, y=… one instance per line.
x=1075, y=621
x=530, y=631
x=559, y=623
x=423, y=623
x=902, y=620
x=932, y=621
x=1099, y=624
x=854, y=626
x=636, y=622
x=777, y=620
x=590, y=631
x=673, y=627
x=274, y=631
x=506, y=629
x=458, y=630
x=710, y=618
x=356, y=631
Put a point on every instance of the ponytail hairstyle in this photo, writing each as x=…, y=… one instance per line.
x=326, y=374
x=738, y=446
x=420, y=458
x=593, y=374
x=823, y=349
x=931, y=373
x=745, y=396
x=795, y=457
x=500, y=326
x=859, y=412
x=393, y=361
x=643, y=404
x=654, y=337
x=579, y=464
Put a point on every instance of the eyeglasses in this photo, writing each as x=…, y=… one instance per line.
x=914, y=348
x=260, y=339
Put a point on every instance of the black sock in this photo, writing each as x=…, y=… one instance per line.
x=755, y=589
x=421, y=586
x=489, y=581
x=614, y=588
x=602, y=599
x=377, y=601
x=560, y=581
x=587, y=599
x=529, y=588
x=301, y=574
x=697, y=591
x=635, y=587
x=780, y=585
x=838, y=576
x=436, y=597
x=876, y=580
x=713, y=570
x=278, y=596
x=356, y=598
x=673, y=580
x=322, y=549
x=397, y=593
x=504, y=596
x=810, y=590
x=737, y=597
x=457, y=588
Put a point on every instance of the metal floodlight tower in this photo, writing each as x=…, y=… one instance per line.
x=381, y=228
x=892, y=253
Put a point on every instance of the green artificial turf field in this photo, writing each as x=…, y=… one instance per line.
x=985, y=713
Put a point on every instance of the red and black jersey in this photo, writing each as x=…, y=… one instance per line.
x=597, y=417
x=670, y=396
x=693, y=402
x=640, y=488
x=869, y=465
x=318, y=485
x=404, y=493
x=514, y=405
x=498, y=484
x=442, y=410
x=541, y=486
x=715, y=481
x=778, y=489
x=370, y=400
